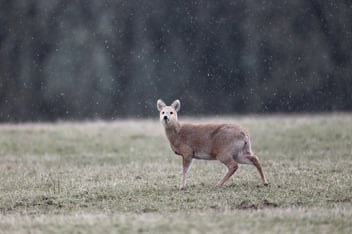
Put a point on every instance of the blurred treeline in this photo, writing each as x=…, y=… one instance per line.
x=81, y=59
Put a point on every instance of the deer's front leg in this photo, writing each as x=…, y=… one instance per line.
x=186, y=163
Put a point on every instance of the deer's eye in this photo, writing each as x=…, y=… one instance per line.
x=171, y=113
x=163, y=112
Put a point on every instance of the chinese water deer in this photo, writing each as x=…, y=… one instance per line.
x=228, y=143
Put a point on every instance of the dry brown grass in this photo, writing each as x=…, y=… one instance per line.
x=121, y=176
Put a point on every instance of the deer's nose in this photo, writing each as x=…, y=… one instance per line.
x=165, y=117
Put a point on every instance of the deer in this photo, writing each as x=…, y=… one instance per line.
x=228, y=143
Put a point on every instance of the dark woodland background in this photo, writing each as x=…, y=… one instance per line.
x=67, y=59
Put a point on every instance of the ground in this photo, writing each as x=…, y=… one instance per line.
x=122, y=177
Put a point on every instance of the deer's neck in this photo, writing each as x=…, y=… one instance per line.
x=172, y=131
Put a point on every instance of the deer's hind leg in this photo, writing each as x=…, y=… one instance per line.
x=249, y=158
x=231, y=165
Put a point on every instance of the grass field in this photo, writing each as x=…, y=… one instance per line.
x=122, y=177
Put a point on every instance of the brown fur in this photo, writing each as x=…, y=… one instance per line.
x=228, y=143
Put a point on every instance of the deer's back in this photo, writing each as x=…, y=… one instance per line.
x=212, y=138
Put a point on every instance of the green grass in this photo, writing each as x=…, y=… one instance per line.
x=121, y=176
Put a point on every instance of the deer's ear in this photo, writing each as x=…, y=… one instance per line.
x=176, y=105
x=160, y=104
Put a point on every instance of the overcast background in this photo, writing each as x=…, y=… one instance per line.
x=66, y=59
